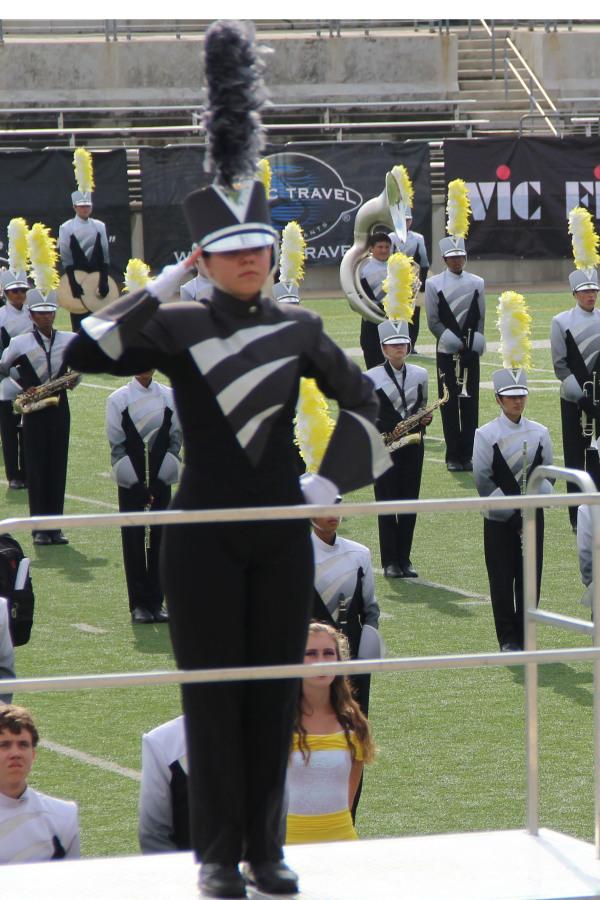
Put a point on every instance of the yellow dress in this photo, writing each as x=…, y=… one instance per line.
x=318, y=792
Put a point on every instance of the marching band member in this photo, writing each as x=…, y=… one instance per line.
x=39, y=358
x=164, y=810
x=14, y=320
x=455, y=305
x=82, y=240
x=505, y=452
x=575, y=348
x=373, y=273
x=235, y=363
x=413, y=246
x=402, y=390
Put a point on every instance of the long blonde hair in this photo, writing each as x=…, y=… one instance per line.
x=346, y=709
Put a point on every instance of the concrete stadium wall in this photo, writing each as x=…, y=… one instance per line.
x=301, y=69
x=567, y=63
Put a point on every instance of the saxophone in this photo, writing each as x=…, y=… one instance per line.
x=45, y=395
x=400, y=436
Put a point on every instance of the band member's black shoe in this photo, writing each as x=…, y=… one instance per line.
x=59, y=538
x=220, y=880
x=408, y=571
x=161, y=615
x=41, y=538
x=15, y=484
x=454, y=466
x=467, y=465
x=510, y=647
x=271, y=877
x=393, y=571
x=141, y=616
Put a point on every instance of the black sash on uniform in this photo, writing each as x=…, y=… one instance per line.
x=160, y=445
x=576, y=362
x=47, y=353
x=80, y=260
x=502, y=474
x=134, y=446
x=448, y=319
x=179, y=804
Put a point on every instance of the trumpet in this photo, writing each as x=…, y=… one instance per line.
x=462, y=373
x=400, y=437
x=45, y=395
x=590, y=388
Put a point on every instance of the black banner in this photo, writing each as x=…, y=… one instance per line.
x=37, y=185
x=522, y=191
x=320, y=185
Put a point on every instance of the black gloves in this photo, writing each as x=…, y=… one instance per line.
x=76, y=288
x=103, y=281
x=586, y=404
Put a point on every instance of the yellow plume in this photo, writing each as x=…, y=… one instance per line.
x=263, y=173
x=458, y=209
x=584, y=238
x=84, y=169
x=407, y=193
x=399, y=303
x=514, y=324
x=18, y=253
x=313, y=424
x=293, y=247
x=43, y=255
x=137, y=275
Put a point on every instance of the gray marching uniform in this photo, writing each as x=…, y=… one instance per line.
x=46, y=432
x=163, y=809
x=145, y=439
x=37, y=828
x=85, y=232
x=7, y=653
x=575, y=348
x=373, y=273
x=401, y=392
x=13, y=322
x=199, y=288
x=455, y=305
x=498, y=466
x=336, y=567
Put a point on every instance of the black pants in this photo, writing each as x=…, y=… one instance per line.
x=46, y=438
x=401, y=482
x=574, y=446
x=460, y=415
x=141, y=562
x=413, y=327
x=370, y=344
x=504, y=561
x=13, y=447
x=238, y=594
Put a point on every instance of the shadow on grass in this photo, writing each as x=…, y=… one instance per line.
x=73, y=565
x=563, y=679
x=405, y=590
x=152, y=638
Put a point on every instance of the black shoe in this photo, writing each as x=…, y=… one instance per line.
x=467, y=465
x=59, y=538
x=141, y=616
x=221, y=880
x=271, y=877
x=510, y=647
x=15, y=484
x=161, y=615
x=453, y=466
x=408, y=571
x=393, y=571
x=41, y=538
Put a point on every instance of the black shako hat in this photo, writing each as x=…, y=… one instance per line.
x=222, y=219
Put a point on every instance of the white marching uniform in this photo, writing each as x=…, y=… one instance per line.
x=163, y=824
x=373, y=273
x=85, y=232
x=37, y=828
x=7, y=652
x=13, y=322
x=336, y=567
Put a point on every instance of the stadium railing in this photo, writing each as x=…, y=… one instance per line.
x=530, y=657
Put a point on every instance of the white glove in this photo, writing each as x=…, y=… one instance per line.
x=167, y=283
x=317, y=490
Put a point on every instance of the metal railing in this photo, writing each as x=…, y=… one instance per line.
x=530, y=657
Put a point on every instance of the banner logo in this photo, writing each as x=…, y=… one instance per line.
x=309, y=191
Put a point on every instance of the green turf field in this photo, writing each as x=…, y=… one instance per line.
x=451, y=744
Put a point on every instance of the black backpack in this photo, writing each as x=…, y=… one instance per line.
x=21, y=602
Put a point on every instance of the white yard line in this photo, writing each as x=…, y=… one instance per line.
x=113, y=506
x=90, y=760
x=480, y=598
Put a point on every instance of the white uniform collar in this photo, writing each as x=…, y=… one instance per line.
x=14, y=802
x=323, y=545
x=509, y=423
x=140, y=387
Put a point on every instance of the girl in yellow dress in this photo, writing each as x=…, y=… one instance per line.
x=332, y=741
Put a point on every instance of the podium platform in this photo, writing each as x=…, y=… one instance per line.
x=493, y=865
